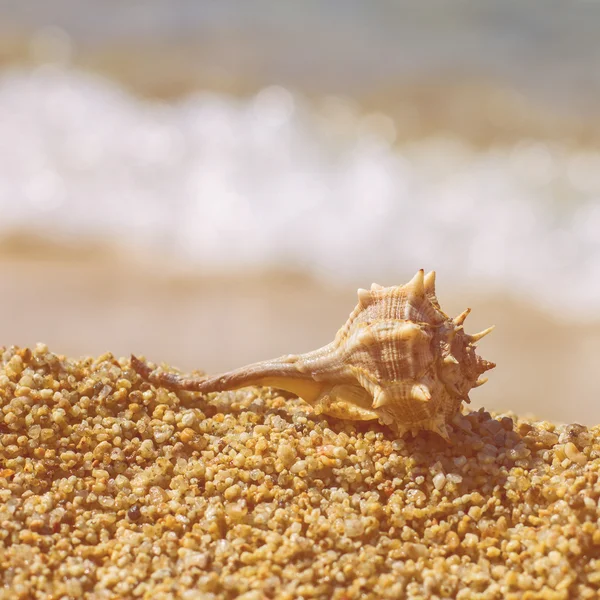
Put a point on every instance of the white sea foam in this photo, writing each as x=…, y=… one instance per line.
x=271, y=181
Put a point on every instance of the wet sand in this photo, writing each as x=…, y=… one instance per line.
x=89, y=302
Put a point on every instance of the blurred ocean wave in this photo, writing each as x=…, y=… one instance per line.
x=277, y=181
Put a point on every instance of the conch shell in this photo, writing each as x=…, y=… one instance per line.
x=399, y=358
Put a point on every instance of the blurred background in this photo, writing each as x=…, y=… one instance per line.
x=207, y=183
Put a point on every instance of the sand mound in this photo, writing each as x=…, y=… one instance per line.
x=110, y=488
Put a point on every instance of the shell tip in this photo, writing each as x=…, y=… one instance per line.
x=477, y=336
x=461, y=318
x=421, y=393
x=440, y=428
x=364, y=297
x=486, y=364
x=430, y=283
x=380, y=399
x=417, y=283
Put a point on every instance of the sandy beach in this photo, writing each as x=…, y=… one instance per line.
x=112, y=488
x=206, y=185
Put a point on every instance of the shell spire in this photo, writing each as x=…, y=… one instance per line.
x=399, y=358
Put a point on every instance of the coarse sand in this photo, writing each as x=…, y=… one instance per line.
x=111, y=488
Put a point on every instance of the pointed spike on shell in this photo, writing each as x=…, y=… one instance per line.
x=461, y=318
x=440, y=428
x=420, y=392
x=380, y=399
x=477, y=336
x=480, y=381
x=450, y=360
x=486, y=364
x=417, y=283
x=364, y=297
x=375, y=287
x=411, y=331
x=430, y=283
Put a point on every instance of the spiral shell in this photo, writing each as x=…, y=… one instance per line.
x=399, y=358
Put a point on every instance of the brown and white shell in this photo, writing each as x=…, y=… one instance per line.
x=399, y=358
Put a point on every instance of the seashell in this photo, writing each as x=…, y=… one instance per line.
x=399, y=358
